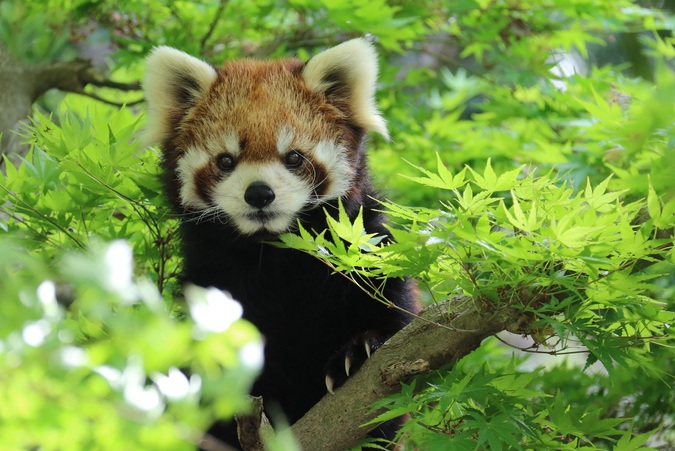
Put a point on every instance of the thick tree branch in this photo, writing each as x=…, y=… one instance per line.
x=252, y=428
x=444, y=334
x=74, y=76
x=67, y=76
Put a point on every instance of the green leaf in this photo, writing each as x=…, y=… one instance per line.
x=630, y=442
x=443, y=179
x=653, y=204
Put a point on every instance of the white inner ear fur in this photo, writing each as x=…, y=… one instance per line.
x=166, y=70
x=356, y=60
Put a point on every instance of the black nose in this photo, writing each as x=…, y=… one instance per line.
x=258, y=194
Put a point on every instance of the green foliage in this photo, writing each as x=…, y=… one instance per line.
x=29, y=32
x=477, y=407
x=85, y=342
x=111, y=358
x=524, y=185
x=571, y=260
x=86, y=178
x=587, y=122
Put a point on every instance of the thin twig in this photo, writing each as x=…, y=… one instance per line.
x=46, y=218
x=105, y=83
x=212, y=26
x=110, y=102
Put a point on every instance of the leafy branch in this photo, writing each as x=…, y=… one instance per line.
x=500, y=284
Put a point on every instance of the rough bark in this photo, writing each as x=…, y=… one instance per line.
x=442, y=335
x=16, y=100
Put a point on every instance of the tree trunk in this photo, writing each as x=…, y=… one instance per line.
x=22, y=84
x=16, y=100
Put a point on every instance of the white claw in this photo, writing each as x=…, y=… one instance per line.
x=329, y=384
x=348, y=365
x=367, y=345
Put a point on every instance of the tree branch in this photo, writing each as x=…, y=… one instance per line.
x=444, y=334
x=110, y=102
x=73, y=76
x=105, y=83
x=212, y=26
x=22, y=84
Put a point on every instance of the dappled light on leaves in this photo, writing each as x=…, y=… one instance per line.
x=34, y=334
x=213, y=310
x=176, y=386
x=118, y=258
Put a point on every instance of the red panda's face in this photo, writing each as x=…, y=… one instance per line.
x=260, y=148
x=255, y=144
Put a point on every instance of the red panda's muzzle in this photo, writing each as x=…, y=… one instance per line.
x=259, y=195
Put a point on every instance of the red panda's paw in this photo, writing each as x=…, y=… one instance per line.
x=348, y=359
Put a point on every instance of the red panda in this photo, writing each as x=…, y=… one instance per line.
x=250, y=149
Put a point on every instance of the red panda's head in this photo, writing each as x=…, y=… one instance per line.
x=256, y=143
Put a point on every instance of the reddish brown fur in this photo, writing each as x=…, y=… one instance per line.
x=204, y=181
x=280, y=87
x=226, y=107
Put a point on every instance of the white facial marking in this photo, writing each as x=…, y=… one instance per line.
x=284, y=139
x=291, y=194
x=227, y=142
x=231, y=141
x=196, y=158
x=340, y=173
x=287, y=140
x=192, y=160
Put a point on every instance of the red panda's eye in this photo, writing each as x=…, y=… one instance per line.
x=225, y=162
x=293, y=159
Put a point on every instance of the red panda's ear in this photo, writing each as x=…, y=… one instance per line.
x=174, y=81
x=349, y=70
